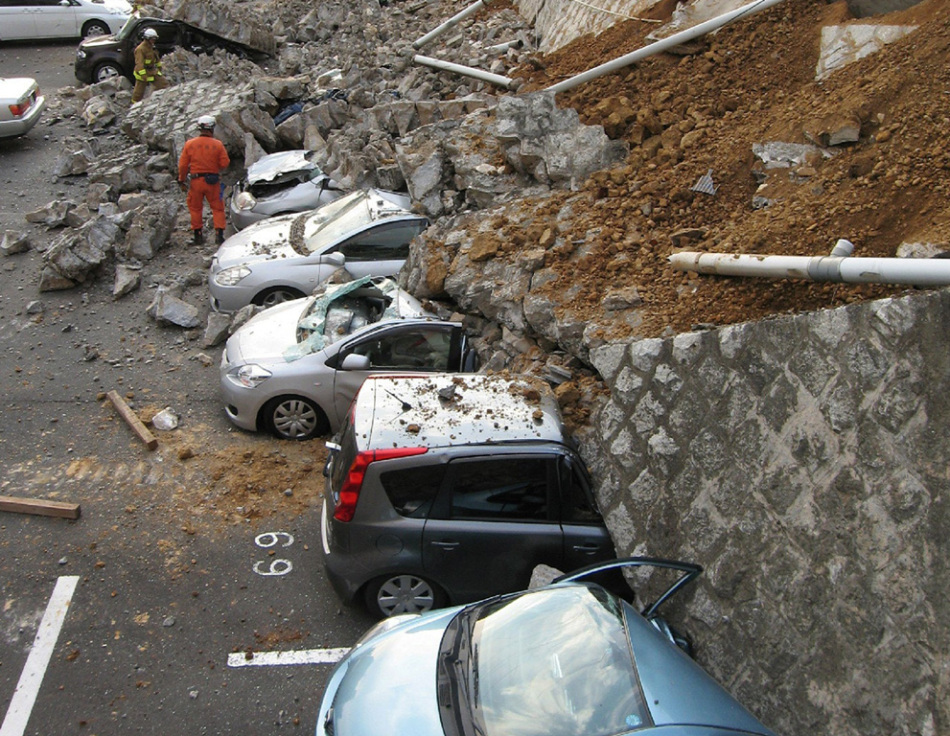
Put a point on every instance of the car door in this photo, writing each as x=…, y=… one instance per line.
x=403, y=349
x=586, y=539
x=18, y=19
x=494, y=521
x=380, y=250
x=57, y=19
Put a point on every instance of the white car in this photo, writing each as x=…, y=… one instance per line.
x=279, y=184
x=294, y=369
x=287, y=257
x=20, y=106
x=36, y=19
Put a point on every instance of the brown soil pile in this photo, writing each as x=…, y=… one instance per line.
x=754, y=82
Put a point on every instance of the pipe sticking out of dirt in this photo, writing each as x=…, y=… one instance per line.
x=467, y=71
x=910, y=271
x=700, y=29
x=453, y=21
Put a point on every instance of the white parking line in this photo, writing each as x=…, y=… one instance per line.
x=269, y=659
x=21, y=705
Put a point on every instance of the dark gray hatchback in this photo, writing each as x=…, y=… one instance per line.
x=448, y=489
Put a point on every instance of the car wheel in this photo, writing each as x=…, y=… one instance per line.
x=95, y=28
x=295, y=418
x=107, y=70
x=277, y=295
x=393, y=594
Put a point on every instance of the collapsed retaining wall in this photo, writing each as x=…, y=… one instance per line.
x=803, y=461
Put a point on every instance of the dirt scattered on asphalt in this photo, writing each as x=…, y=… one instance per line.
x=243, y=478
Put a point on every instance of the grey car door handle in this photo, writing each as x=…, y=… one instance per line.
x=587, y=549
x=445, y=545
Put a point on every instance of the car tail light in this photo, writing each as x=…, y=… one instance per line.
x=21, y=108
x=350, y=492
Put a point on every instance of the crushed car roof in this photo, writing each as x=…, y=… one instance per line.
x=270, y=167
x=450, y=409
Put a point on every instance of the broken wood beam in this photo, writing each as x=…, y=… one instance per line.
x=130, y=417
x=39, y=507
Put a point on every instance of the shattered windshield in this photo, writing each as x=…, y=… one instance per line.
x=340, y=310
x=127, y=30
x=329, y=223
x=552, y=662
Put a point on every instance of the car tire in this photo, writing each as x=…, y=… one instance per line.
x=403, y=593
x=295, y=418
x=94, y=28
x=277, y=295
x=106, y=70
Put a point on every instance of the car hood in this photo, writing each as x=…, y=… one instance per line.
x=97, y=42
x=391, y=680
x=277, y=164
x=265, y=337
x=265, y=240
x=666, y=673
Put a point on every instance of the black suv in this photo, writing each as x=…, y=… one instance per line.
x=98, y=59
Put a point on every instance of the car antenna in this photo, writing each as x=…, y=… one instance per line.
x=406, y=406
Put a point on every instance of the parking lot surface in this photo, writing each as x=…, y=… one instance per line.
x=188, y=562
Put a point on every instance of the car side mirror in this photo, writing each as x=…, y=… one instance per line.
x=355, y=362
x=333, y=259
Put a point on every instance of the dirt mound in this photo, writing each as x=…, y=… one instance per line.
x=754, y=82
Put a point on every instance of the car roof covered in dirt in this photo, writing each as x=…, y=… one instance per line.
x=449, y=409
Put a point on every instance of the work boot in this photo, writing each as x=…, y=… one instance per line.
x=199, y=238
x=219, y=238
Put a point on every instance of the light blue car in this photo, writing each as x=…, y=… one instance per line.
x=566, y=659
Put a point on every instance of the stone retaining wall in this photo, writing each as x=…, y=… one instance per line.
x=803, y=461
x=558, y=22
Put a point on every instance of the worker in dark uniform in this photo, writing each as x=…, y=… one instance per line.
x=148, y=66
x=202, y=160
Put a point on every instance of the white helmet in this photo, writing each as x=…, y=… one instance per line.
x=150, y=33
x=206, y=122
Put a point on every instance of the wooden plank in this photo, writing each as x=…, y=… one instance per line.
x=39, y=507
x=125, y=411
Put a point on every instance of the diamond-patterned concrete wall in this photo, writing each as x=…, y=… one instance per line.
x=803, y=461
x=558, y=22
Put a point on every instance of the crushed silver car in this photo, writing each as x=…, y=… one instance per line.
x=279, y=184
x=287, y=257
x=294, y=369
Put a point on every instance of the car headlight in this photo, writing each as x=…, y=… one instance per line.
x=245, y=201
x=80, y=54
x=249, y=376
x=232, y=275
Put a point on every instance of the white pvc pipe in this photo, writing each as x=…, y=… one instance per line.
x=453, y=21
x=468, y=71
x=910, y=271
x=676, y=39
x=501, y=48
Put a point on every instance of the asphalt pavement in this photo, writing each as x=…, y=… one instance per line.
x=188, y=563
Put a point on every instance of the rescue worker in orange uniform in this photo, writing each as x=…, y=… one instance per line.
x=202, y=160
x=148, y=66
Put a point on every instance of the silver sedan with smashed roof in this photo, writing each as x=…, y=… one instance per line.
x=287, y=257
x=294, y=369
x=279, y=184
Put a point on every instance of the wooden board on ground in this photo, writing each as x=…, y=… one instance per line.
x=39, y=507
x=125, y=411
